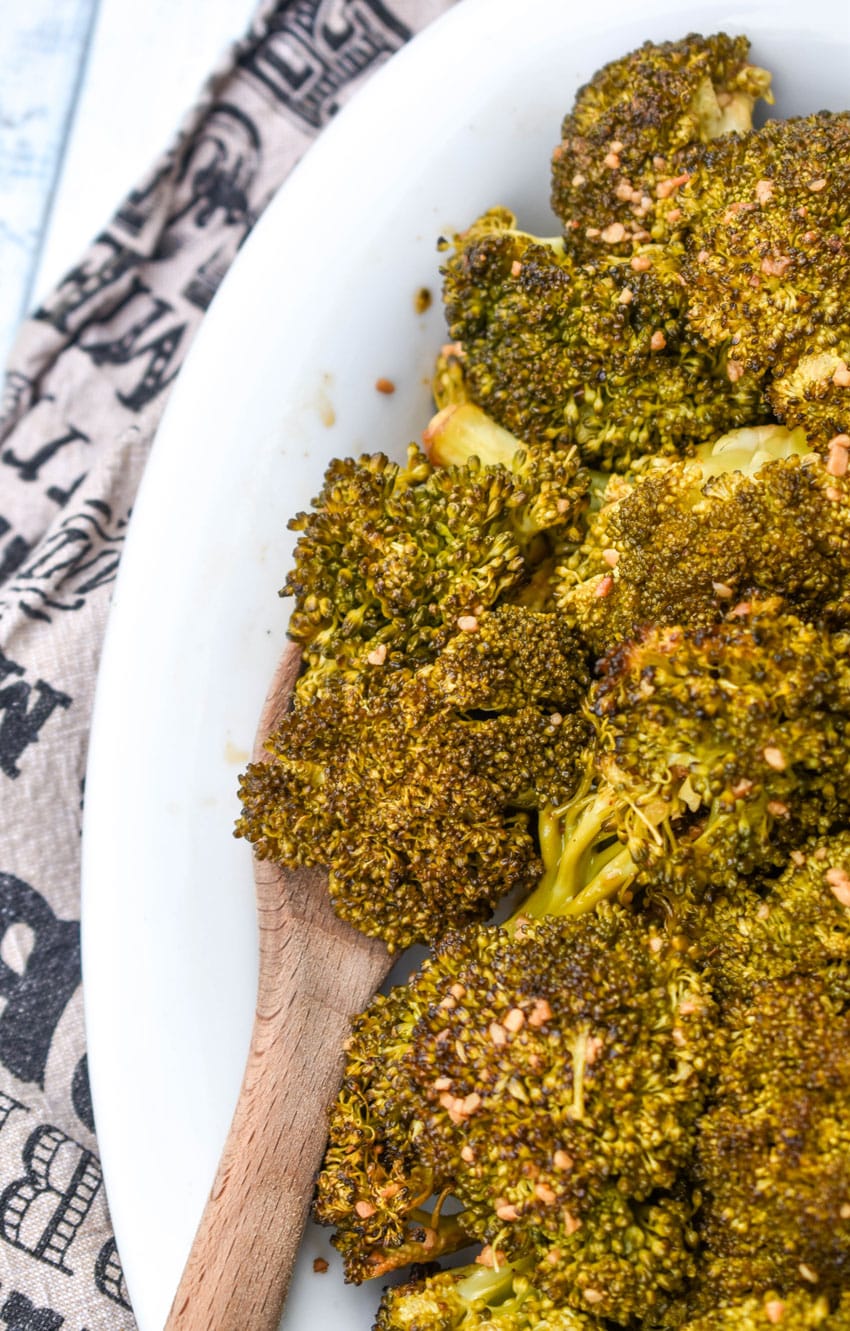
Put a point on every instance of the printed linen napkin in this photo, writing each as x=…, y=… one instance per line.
x=85, y=388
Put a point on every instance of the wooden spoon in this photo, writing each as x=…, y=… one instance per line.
x=316, y=972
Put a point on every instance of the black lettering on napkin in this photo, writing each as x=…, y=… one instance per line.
x=24, y=709
x=41, y=1212
x=20, y=1314
x=36, y=998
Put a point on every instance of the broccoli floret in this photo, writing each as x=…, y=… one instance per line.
x=797, y=924
x=548, y=1076
x=813, y=394
x=774, y=1146
x=719, y=751
x=682, y=542
x=766, y=255
x=560, y=354
x=473, y=1298
x=390, y=558
x=795, y=1311
x=415, y=791
x=630, y=1258
x=552, y=500
x=765, y=260
x=374, y=1188
x=617, y=170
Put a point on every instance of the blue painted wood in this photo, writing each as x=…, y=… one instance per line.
x=91, y=93
x=43, y=44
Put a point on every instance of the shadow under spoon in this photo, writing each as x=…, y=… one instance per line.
x=315, y=973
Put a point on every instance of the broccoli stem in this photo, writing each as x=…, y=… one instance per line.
x=492, y=1284
x=614, y=876
x=582, y=862
x=579, y=867
x=551, y=837
x=599, y=858
x=462, y=431
x=430, y=1237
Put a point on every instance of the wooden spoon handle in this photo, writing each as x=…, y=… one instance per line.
x=242, y=1257
x=315, y=974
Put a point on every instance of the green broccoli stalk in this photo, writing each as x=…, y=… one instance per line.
x=584, y=862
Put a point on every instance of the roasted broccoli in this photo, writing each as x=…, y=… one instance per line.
x=617, y=169
x=589, y=654
x=774, y=1146
x=560, y=354
x=547, y=1076
x=438, y=707
x=699, y=282
x=765, y=263
x=813, y=393
x=796, y=1311
x=681, y=542
x=385, y=1201
x=473, y=1298
x=765, y=255
x=415, y=790
x=392, y=558
x=719, y=750
x=796, y=924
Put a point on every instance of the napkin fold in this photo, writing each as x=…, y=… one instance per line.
x=87, y=381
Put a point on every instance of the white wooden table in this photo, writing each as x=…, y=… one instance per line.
x=91, y=92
